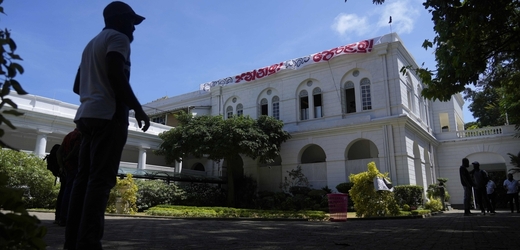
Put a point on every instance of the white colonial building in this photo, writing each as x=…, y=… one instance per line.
x=344, y=108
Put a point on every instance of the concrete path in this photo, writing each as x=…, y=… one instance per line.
x=449, y=230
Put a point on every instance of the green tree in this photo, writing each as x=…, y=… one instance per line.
x=471, y=125
x=485, y=106
x=475, y=40
x=217, y=139
x=9, y=68
x=18, y=229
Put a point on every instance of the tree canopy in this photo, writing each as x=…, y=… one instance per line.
x=216, y=138
x=9, y=68
x=485, y=106
x=474, y=40
x=476, y=43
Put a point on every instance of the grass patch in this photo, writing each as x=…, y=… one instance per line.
x=227, y=212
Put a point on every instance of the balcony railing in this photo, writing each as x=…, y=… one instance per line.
x=479, y=132
x=489, y=132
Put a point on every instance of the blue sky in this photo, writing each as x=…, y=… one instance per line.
x=183, y=44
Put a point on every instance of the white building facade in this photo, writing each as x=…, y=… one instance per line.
x=344, y=107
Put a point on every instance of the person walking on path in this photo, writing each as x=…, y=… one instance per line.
x=511, y=185
x=491, y=195
x=480, y=178
x=467, y=184
x=102, y=83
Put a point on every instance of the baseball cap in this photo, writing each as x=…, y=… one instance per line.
x=476, y=163
x=117, y=8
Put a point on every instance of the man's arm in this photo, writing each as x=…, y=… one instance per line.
x=118, y=79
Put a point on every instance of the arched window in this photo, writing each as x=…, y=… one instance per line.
x=229, y=111
x=366, y=99
x=264, y=107
x=304, y=105
x=350, y=97
x=276, y=107
x=316, y=95
x=240, y=109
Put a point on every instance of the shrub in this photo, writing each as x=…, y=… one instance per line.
x=296, y=179
x=299, y=190
x=435, y=190
x=29, y=173
x=434, y=205
x=203, y=194
x=19, y=230
x=124, y=193
x=367, y=201
x=411, y=195
x=300, y=202
x=270, y=200
x=151, y=193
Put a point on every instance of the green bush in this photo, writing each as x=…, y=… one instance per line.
x=434, y=205
x=124, y=193
x=435, y=190
x=18, y=229
x=29, y=173
x=271, y=200
x=151, y=193
x=411, y=195
x=300, y=202
x=203, y=194
x=367, y=201
x=295, y=178
x=299, y=190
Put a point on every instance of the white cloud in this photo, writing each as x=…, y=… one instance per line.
x=404, y=15
x=345, y=24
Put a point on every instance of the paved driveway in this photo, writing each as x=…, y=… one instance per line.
x=449, y=230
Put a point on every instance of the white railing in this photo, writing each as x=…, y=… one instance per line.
x=479, y=132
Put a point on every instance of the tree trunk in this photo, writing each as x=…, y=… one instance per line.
x=230, y=183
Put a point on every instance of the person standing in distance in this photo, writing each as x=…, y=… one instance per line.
x=467, y=184
x=480, y=178
x=102, y=83
x=511, y=185
x=491, y=195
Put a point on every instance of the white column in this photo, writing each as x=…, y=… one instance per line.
x=41, y=144
x=141, y=164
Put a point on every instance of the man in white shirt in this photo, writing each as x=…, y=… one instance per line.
x=102, y=83
x=511, y=185
x=491, y=195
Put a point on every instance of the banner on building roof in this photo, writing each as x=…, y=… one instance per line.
x=361, y=47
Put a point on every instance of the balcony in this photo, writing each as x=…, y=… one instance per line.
x=480, y=132
x=506, y=130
